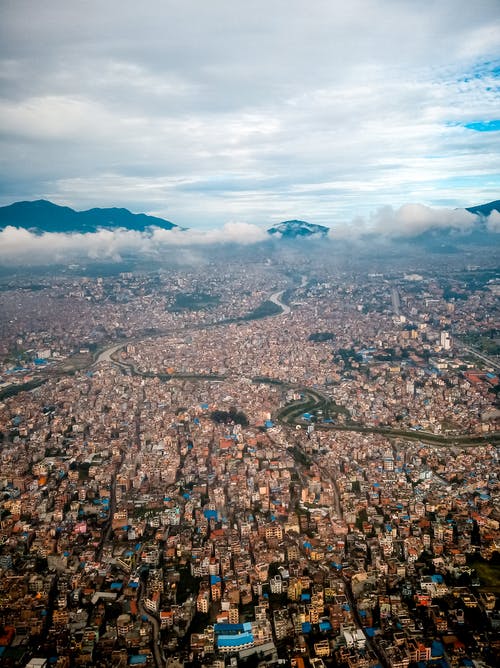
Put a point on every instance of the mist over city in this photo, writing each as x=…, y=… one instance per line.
x=250, y=334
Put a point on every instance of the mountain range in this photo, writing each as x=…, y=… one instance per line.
x=485, y=209
x=42, y=216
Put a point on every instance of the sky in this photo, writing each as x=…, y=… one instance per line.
x=222, y=113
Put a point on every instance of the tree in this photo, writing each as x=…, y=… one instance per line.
x=233, y=416
x=362, y=517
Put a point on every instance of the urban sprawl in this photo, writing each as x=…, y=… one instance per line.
x=251, y=463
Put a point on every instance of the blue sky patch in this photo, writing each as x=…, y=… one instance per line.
x=483, y=126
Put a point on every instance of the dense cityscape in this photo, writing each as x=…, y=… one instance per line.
x=249, y=334
x=252, y=461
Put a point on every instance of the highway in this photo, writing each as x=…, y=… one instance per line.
x=494, y=364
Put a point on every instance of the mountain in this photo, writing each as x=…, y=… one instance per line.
x=485, y=209
x=291, y=229
x=44, y=216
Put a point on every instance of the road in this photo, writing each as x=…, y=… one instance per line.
x=107, y=528
x=396, y=304
x=329, y=475
x=494, y=364
x=157, y=653
x=354, y=607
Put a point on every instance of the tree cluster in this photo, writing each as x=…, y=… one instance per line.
x=318, y=337
x=232, y=416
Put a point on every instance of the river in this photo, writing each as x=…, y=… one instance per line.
x=275, y=298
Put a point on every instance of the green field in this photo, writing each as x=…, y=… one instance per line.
x=489, y=574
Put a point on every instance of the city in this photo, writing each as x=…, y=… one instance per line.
x=255, y=462
x=249, y=334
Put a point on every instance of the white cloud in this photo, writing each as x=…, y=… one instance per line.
x=18, y=245
x=407, y=221
x=231, y=232
x=493, y=222
x=414, y=219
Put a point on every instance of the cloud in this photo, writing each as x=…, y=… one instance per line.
x=231, y=232
x=19, y=245
x=406, y=221
x=414, y=219
x=266, y=110
x=493, y=222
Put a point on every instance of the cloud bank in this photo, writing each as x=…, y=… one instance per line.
x=21, y=246
x=414, y=219
x=411, y=220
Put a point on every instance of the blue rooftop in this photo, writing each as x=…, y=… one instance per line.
x=235, y=640
x=437, y=649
